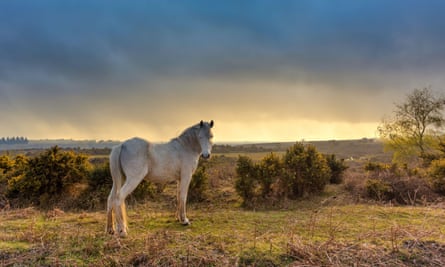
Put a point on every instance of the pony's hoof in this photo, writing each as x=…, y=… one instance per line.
x=123, y=234
x=110, y=231
x=186, y=222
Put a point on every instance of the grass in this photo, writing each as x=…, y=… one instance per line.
x=326, y=230
x=227, y=236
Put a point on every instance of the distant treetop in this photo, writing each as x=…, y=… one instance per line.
x=13, y=140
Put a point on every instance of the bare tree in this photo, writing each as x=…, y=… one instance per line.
x=415, y=126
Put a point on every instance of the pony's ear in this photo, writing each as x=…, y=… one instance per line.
x=211, y=123
x=201, y=124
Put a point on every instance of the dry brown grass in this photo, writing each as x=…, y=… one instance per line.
x=313, y=232
x=334, y=229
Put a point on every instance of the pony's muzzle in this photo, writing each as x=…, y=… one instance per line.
x=205, y=155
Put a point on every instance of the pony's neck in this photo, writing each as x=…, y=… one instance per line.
x=189, y=140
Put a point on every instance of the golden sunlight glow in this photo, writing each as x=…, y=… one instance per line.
x=291, y=130
x=224, y=131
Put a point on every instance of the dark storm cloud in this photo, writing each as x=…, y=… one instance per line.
x=103, y=41
x=294, y=57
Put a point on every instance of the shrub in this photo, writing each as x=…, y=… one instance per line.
x=46, y=176
x=337, y=168
x=198, y=184
x=269, y=171
x=306, y=170
x=99, y=187
x=436, y=174
x=379, y=190
x=246, y=183
x=100, y=177
x=410, y=190
x=145, y=190
x=402, y=185
x=301, y=171
x=6, y=164
x=374, y=166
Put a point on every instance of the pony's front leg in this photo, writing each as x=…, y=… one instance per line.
x=183, y=186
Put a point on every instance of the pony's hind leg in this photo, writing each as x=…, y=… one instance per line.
x=121, y=220
x=119, y=205
x=117, y=176
x=110, y=215
x=134, y=166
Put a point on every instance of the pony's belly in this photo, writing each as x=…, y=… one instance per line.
x=162, y=176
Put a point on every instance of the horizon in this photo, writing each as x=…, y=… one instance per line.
x=247, y=142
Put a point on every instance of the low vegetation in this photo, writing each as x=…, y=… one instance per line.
x=301, y=171
x=359, y=212
x=316, y=232
x=437, y=175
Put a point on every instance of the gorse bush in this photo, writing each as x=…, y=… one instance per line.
x=247, y=182
x=257, y=181
x=6, y=167
x=6, y=164
x=306, y=170
x=99, y=187
x=379, y=190
x=398, y=184
x=269, y=171
x=337, y=167
x=69, y=180
x=45, y=177
x=100, y=177
x=375, y=166
x=301, y=171
x=436, y=173
x=199, y=183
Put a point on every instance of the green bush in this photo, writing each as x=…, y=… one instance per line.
x=375, y=166
x=269, y=170
x=199, y=184
x=6, y=164
x=436, y=174
x=246, y=183
x=337, y=167
x=301, y=171
x=99, y=187
x=145, y=190
x=100, y=177
x=45, y=177
x=306, y=170
x=379, y=190
x=398, y=184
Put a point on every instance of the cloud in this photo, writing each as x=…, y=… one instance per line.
x=151, y=65
x=88, y=40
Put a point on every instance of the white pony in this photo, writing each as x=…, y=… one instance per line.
x=136, y=159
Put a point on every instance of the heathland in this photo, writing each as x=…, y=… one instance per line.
x=344, y=225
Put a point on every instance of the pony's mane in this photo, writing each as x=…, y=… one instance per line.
x=189, y=138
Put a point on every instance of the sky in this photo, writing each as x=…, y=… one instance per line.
x=262, y=70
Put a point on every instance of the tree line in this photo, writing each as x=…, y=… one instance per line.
x=13, y=140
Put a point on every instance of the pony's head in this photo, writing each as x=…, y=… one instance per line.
x=205, y=137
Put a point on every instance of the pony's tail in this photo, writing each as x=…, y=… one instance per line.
x=116, y=169
x=116, y=175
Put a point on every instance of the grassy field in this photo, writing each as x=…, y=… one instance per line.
x=319, y=231
x=333, y=229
